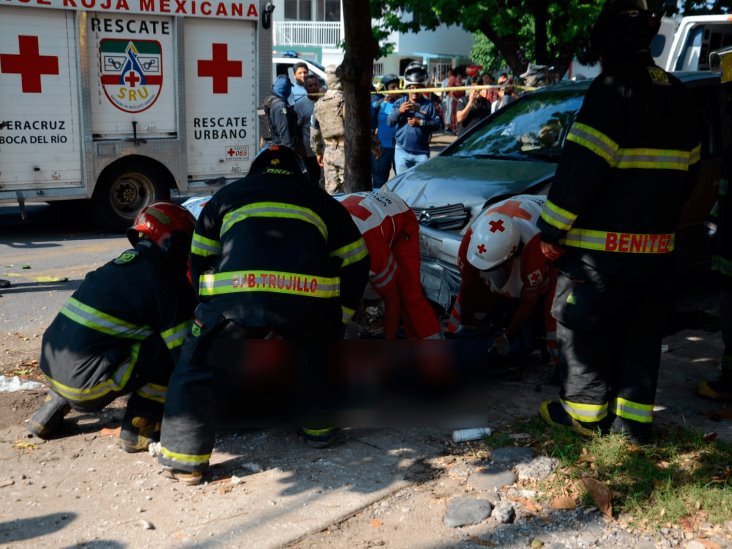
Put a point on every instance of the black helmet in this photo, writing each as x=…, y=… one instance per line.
x=623, y=26
x=389, y=79
x=278, y=159
x=415, y=73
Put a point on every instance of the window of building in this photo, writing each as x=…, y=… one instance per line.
x=299, y=10
x=329, y=10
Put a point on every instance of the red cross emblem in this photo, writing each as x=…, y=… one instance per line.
x=231, y=152
x=132, y=79
x=481, y=248
x=220, y=68
x=353, y=205
x=29, y=64
x=497, y=226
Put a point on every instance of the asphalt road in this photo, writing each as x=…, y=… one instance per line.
x=45, y=257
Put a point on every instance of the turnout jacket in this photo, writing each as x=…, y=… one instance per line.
x=271, y=250
x=628, y=165
x=136, y=304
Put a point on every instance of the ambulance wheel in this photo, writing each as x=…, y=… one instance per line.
x=124, y=191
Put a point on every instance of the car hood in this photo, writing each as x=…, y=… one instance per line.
x=472, y=182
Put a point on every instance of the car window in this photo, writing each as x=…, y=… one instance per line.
x=532, y=127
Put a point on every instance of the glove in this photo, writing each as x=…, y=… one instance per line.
x=500, y=345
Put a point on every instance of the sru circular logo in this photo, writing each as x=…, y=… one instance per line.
x=131, y=72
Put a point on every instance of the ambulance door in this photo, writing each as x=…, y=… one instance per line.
x=132, y=76
x=221, y=95
x=40, y=136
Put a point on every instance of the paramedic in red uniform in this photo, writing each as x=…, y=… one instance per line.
x=391, y=232
x=627, y=167
x=500, y=258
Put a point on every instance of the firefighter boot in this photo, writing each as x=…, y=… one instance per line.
x=49, y=417
x=189, y=478
x=554, y=414
x=137, y=433
x=634, y=431
x=720, y=388
x=318, y=438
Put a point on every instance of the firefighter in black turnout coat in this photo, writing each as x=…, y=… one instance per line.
x=627, y=168
x=120, y=332
x=271, y=252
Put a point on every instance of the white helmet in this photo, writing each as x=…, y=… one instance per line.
x=495, y=238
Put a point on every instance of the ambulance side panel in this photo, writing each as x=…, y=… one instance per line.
x=40, y=138
x=221, y=97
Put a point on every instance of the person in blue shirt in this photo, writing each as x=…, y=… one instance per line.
x=380, y=109
x=415, y=118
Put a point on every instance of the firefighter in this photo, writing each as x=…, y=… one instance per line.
x=721, y=388
x=500, y=259
x=391, y=233
x=271, y=254
x=120, y=332
x=627, y=167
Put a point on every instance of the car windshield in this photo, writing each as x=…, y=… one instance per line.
x=533, y=127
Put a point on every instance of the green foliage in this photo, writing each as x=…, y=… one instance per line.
x=692, y=7
x=509, y=25
x=683, y=478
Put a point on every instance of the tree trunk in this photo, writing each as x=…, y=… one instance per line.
x=356, y=74
x=541, y=18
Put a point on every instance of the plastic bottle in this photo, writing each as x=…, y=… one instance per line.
x=464, y=435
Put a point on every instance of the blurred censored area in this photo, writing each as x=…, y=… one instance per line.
x=356, y=383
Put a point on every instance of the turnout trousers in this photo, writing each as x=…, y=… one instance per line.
x=609, y=332
x=199, y=388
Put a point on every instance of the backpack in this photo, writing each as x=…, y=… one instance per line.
x=292, y=125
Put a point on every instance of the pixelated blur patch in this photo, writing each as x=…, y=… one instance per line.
x=126, y=257
x=356, y=383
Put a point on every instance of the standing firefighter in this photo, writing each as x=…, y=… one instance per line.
x=391, y=232
x=627, y=168
x=721, y=388
x=120, y=332
x=328, y=132
x=271, y=253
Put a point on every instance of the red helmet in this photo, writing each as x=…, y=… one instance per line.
x=166, y=224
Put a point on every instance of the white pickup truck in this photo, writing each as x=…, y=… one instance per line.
x=685, y=44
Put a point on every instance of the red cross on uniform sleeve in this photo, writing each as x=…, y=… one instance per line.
x=29, y=64
x=220, y=68
x=481, y=248
x=497, y=226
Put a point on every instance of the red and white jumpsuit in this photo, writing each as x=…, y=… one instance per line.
x=391, y=232
x=526, y=276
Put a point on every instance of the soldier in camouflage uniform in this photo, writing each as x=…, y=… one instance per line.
x=327, y=133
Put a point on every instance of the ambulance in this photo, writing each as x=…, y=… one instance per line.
x=124, y=102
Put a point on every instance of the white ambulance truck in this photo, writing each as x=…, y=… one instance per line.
x=123, y=101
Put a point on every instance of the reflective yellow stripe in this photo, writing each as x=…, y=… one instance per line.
x=347, y=314
x=317, y=432
x=351, y=253
x=631, y=158
x=276, y=210
x=695, y=155
x=608, y=241
x=205, y=246
x=635, y=411
x=654, y=159
x=594, y=140
x=269, y=281
x=174, y=336
x=585, y=412
x=556, y=216
x=153, y=391
x=185, y=458
x=117, y=382
x=95, y=319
